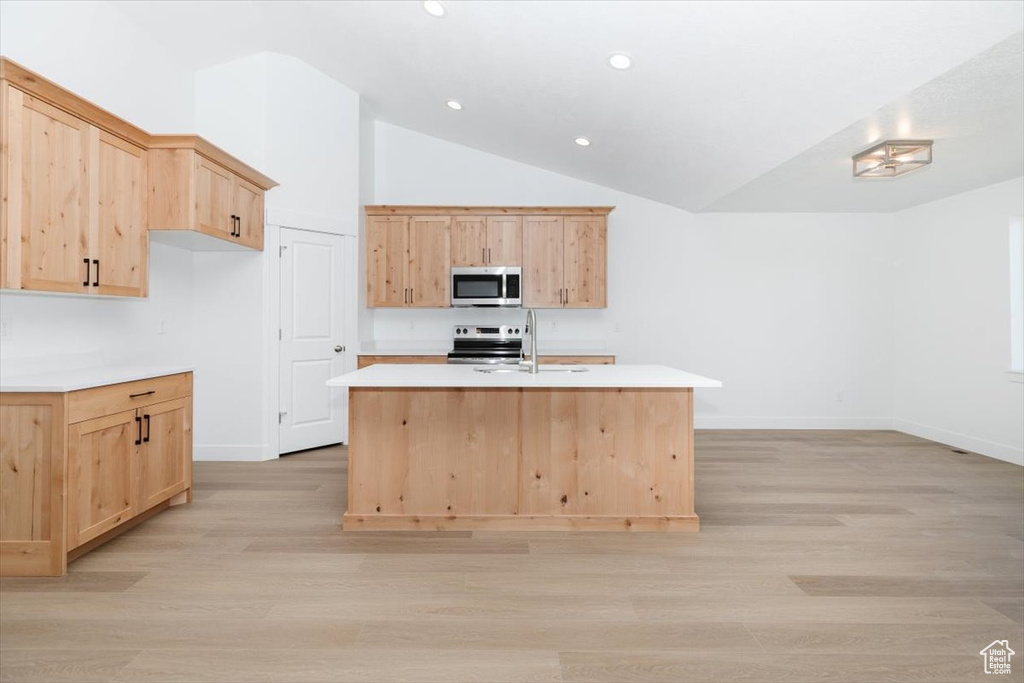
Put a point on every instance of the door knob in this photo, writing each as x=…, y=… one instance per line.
x=339, y=348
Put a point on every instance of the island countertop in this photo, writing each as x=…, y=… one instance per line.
x=550, y=376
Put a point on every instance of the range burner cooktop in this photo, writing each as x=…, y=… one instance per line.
x=487, y=344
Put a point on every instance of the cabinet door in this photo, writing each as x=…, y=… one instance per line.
x=504, y=240
x=101, y=481
x=542, y=262
x=586, y=255
x=121, y=240
x=386, y=258
x=215, y=190
x=249, y=209
x=47, y=195
x=469, y=241
x=429, y=261
x=165, y=459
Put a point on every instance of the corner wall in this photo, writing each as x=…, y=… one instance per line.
x=302, y=129
x=952, y=323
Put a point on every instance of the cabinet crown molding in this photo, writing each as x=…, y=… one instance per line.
x=411, y=210
x=46, y=90
x=213, y=153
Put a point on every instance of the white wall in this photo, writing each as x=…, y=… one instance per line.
x=301, y=128
x=93, y=50
x=367, y=172
x=953, y=323
x=791, y=312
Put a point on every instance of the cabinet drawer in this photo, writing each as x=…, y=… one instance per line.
x=367, y=361
x=87, y=404
x=578, y=360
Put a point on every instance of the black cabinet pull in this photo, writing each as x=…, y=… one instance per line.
x=138, y=423
x=96, y=282
x=147, y=428
x=87, y=273
x=238, y=226
x=144, y=393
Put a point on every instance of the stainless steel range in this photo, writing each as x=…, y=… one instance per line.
x=491, y=344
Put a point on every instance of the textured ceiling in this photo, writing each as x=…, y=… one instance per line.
x=732, y=106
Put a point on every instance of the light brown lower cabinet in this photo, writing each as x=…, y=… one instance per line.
x=367, y=361
x=115, y=454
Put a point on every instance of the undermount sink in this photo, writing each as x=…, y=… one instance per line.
x=490, y=371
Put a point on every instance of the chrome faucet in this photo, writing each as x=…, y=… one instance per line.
x=531, y=327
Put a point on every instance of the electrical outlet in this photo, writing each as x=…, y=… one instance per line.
x=6, y=329
x=161, y=327
x=618, y=327
x=840, y=397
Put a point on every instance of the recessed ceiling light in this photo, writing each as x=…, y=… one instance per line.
x=582, y=141
x=452, y=104
x=620, y=61
x=434, y=8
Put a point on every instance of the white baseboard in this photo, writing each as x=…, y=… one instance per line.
x=231, y=453
x=730, y=422
x=968, y=443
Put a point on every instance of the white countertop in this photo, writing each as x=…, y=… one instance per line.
x=596, y=376
x=84, y=378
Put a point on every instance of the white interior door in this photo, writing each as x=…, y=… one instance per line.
x=312, y=339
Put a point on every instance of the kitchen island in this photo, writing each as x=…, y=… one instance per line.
x=452, y=447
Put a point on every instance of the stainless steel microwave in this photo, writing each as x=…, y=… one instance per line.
x=487, y=286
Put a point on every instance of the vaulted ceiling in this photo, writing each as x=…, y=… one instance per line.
x=731, y=106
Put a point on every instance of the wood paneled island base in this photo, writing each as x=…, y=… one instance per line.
x=460, y=458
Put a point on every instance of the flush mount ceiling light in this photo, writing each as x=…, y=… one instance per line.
x=434, y=8
x=582, y=141
x=620, y=61
x=453, y=104
x=892, y=158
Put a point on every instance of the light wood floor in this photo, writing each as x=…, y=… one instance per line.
x=823, y=556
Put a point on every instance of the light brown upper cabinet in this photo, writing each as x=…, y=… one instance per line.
x=429, y=249
x=565, y=261
x=199, y=189
x=83, y=188
x=487, y=240
x=121, y=239
x=386, y=260
x=585, y=279
x=407, y=261
x=75, y=216
x=543, y=254
x=563, y=252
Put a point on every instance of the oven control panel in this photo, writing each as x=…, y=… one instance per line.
x=488, y=332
